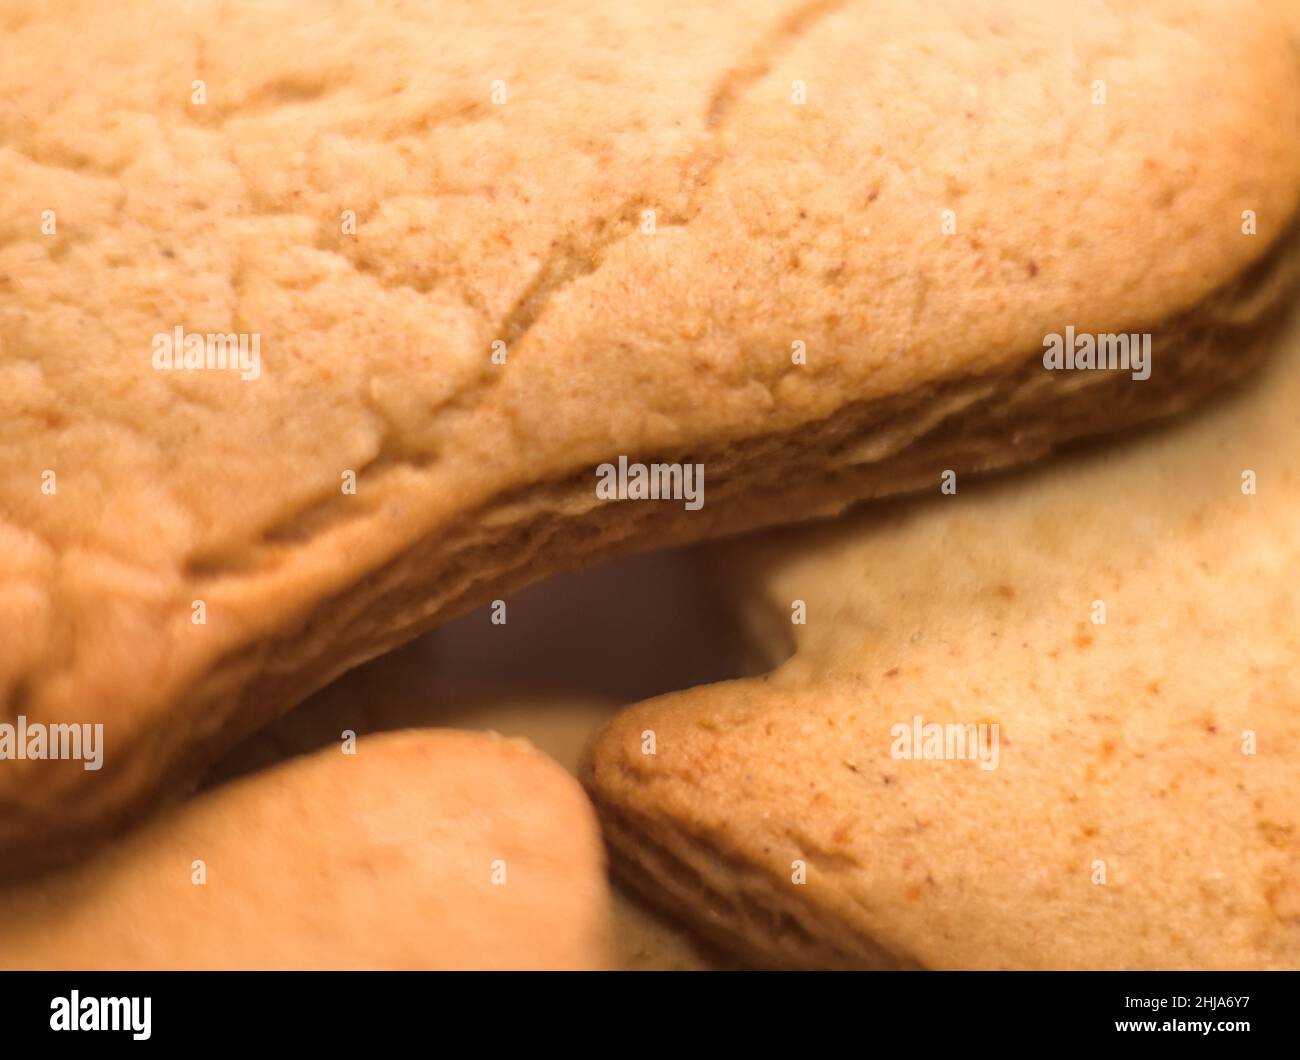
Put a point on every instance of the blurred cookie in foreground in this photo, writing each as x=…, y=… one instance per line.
x=424, y=849
x=558, y=668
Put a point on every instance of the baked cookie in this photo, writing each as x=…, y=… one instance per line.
x=425, y=849
x=317, y=324
x=1043, y=723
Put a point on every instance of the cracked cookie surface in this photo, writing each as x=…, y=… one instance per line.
x=522, y=222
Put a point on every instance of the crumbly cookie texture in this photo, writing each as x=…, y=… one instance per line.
x=1142, y=809
x=425, y=849
x=649, y=205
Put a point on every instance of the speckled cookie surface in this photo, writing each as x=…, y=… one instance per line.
x=1124, y=625
x=648, y=205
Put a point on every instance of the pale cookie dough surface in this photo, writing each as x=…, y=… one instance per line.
x=379, y=193
x=425, y=849
x=1144, y=811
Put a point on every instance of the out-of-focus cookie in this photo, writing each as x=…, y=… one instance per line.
x=425, y=849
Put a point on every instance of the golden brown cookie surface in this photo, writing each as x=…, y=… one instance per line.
x=648, y=205
x=1048, y=722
